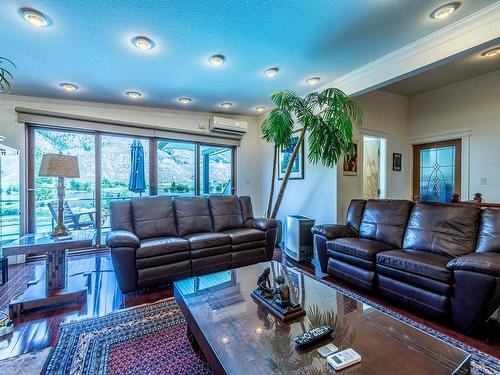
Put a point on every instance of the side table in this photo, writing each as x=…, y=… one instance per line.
x=57, y=288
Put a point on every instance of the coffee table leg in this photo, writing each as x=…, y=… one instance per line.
x=55, y=268
x=192, y=340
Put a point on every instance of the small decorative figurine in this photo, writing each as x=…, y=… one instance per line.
x=276, y=300
x=281, y=293
x=264, y=285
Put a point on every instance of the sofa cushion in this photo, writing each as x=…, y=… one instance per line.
x=420, y=263
x=246, y=208
x=120, y=217
x=489, y=231
x=385, y=220
x=355, y=213
x=193, y=215
x=153, y=217
x=226, y=212
x=442, y=228
x=358, y=247
x=208, y=239
x=243, y=235
x=161, y=246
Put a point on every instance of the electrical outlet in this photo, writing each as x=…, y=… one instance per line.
x=483, y=181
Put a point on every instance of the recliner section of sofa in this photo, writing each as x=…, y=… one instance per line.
x=441, y=260
x=156, y=240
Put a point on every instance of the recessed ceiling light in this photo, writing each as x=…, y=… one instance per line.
x=445, y=10
x=271, y=72
x=260, y=109
x=226, y=105
x=185, y=100
x=217, y=60
x=34, y=17
x=143, y=42
x=69, y=87
x=491, y=52
x=134, y=94
x=313, y=80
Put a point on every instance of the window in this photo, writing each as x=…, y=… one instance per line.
x=79, y=192
x=436, y=170
x=9, y=193
x=176, y=168
x=115, y=171
x=171, y=167
x=216, y=170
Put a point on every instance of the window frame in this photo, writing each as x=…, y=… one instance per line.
x=30, y=217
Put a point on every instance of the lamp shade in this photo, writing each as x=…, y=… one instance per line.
x=59, y=165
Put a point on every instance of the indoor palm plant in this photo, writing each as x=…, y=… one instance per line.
x=5, y=76
x=328, y=117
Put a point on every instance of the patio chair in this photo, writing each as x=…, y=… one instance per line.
x=73, y=220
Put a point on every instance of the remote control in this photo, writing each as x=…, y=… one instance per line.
x=313, y=336
x=327, y=350
x=343, y=359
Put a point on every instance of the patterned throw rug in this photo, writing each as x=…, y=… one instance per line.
x=151, y=339
x=148, y=339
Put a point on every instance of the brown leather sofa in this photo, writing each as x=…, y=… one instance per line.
x=438, y=259
x=155, y=240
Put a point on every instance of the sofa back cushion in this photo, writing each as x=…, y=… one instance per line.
x=489, y=231
x=385, y=220
x=193, y=215
x=120, y=216
x=442, y=228
x=153, y=217
x=355, y=213
x=226, y=212
x=246, y=208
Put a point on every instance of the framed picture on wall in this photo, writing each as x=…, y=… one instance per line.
x=350, y=165
x=284, y=156
x=396, y=162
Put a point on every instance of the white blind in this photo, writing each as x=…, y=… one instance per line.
x=65, y=120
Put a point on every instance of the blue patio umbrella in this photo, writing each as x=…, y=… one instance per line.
x=137, y=181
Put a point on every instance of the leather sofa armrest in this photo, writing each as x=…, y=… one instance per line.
x=265, y=224
x=331, y=231
x=486, y=263
x=122, y=238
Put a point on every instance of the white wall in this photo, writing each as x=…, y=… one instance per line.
x=249, y=179
x=385, y=115
x=472, y=105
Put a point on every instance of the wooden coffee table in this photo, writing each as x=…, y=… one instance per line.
x=238, y=336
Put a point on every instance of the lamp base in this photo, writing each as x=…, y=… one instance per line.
x=60, y=231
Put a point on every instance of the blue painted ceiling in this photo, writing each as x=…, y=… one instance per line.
x=89, y=44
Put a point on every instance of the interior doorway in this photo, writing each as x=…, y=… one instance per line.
x=374, y=167
x=437, y=170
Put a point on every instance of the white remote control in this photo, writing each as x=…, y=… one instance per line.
x=343, y=359
x=327, y=350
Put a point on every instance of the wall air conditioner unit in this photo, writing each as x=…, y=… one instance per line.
x=227, y=125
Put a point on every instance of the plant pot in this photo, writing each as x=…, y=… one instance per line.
x=279, y=232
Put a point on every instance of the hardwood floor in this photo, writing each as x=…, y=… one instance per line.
x=41, y=329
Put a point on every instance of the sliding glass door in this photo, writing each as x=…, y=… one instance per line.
x=176, y=168
x=79, y=210
x=216, y=170
x=116, y=167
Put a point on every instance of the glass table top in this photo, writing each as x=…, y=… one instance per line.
x=247, y=339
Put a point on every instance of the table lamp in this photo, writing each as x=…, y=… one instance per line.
x=60, y=166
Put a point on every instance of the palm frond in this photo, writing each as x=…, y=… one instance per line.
x=5, y=76
x=278, y=127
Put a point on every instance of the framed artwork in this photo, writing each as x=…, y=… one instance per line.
x=350, y=166
x=396, y=162
x=284, y=156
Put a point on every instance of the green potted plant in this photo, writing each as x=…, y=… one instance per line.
x=5, y=76
x=328, y=117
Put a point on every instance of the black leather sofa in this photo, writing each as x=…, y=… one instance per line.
x=155, y=240
x=441, y=260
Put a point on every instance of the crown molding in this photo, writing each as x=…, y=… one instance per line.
x=469, y=32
